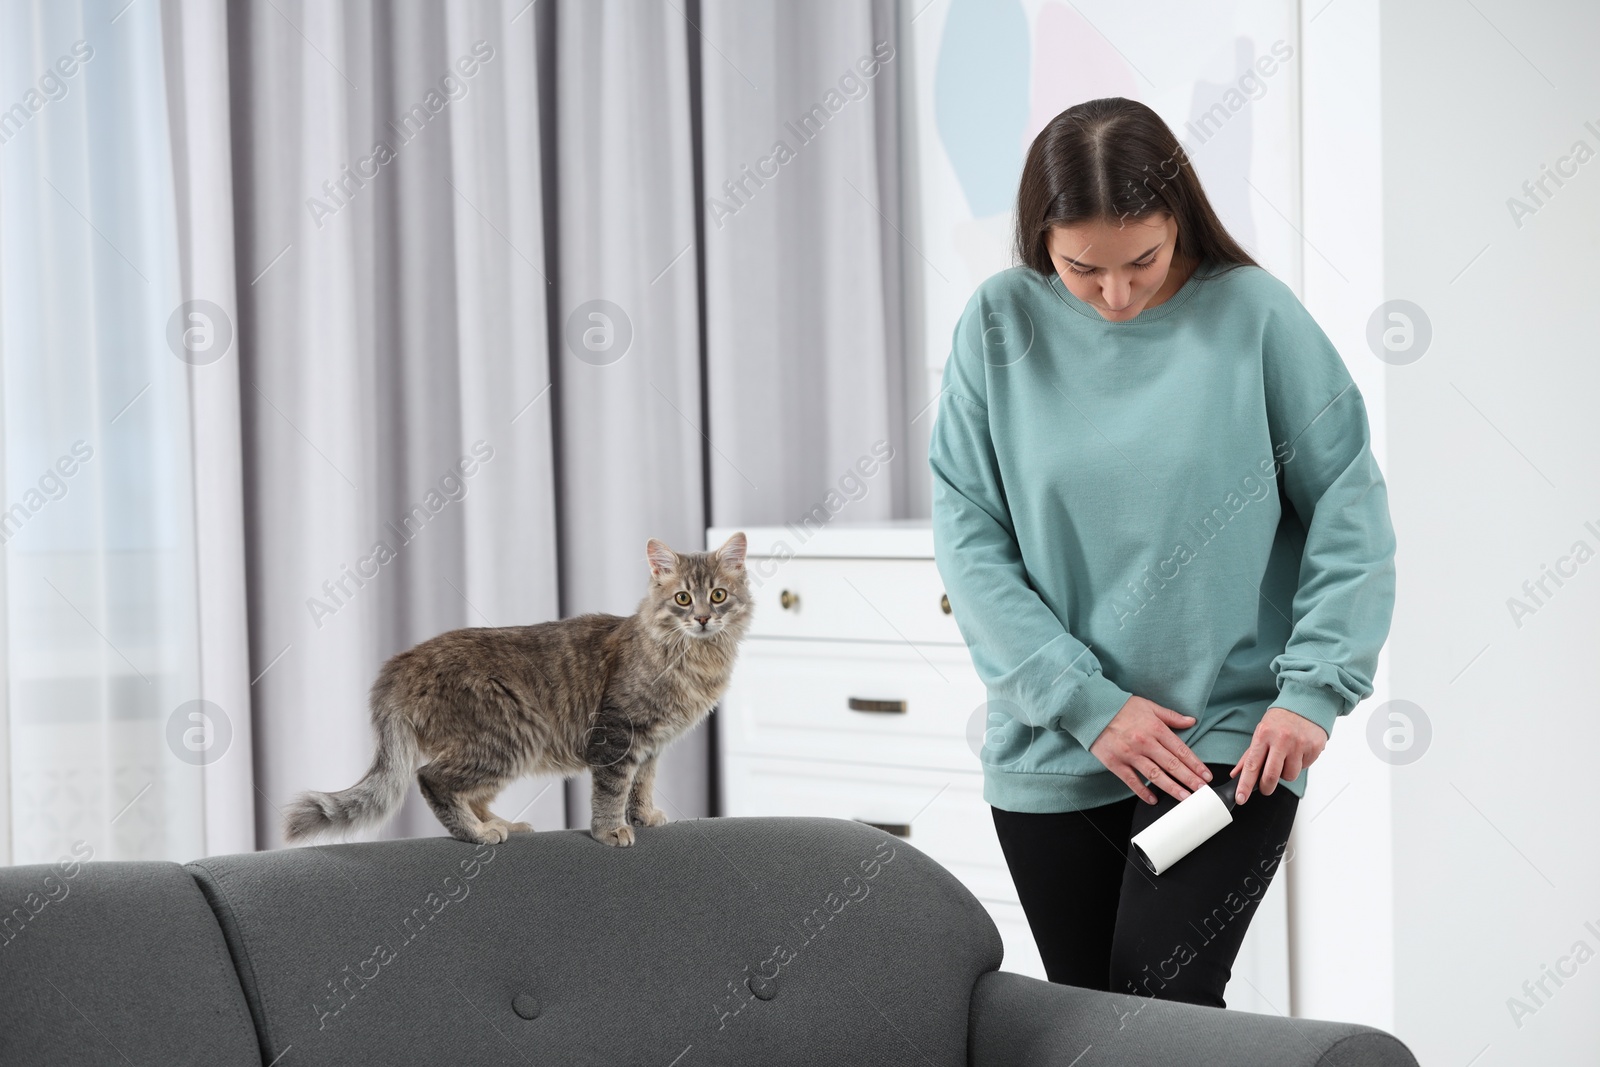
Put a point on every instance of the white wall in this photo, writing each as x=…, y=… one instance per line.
x=1340, y=874
x=1492, y=466
x=1425, y=895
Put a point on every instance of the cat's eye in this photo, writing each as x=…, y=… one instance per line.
x=684, y=599
x=718, y=595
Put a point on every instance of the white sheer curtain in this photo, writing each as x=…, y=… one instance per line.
x=104, y=660
x=196, y=64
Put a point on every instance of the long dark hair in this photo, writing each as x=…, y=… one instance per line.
x=1112, y=159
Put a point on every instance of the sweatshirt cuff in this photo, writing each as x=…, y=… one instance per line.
x=1315, y=702
x=1092, y=707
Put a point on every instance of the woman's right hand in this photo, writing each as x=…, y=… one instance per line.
x=1139, y=741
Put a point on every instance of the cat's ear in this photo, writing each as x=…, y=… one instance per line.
x=662, y=559
x=731, y=554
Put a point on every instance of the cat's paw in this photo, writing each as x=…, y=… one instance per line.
x=493, y=833
x=653, y=817
x=520, y=827
x=618, y=836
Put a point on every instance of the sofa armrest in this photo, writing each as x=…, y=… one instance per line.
x=1019, y=1021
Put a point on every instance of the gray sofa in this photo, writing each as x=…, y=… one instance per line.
x=736, y=941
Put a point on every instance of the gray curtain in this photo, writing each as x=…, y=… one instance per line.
x=520, y=271
x=628, y=373
x=393, y=361
x=805, y=248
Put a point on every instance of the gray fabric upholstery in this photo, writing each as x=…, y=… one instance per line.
x=1017, y=1019
x=115, y=963
x=738, y=941
x=418, y=951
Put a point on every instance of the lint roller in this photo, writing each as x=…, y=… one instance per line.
x=1186, y=827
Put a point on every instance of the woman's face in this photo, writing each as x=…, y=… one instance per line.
x=1118, y=268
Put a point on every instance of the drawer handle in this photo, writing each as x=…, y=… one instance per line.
x=898, y=829
x=788, y=601
x=893, y=707
x=944, y=603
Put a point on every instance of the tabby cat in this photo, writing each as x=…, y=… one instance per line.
x=602, y=693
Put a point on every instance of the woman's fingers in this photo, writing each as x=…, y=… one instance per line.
x=1130, y=778
x=1272, y=770
x=1250, y=766
x=1178, y=767
x=1173, y=717
x=1189, y=767
x=1161, y=779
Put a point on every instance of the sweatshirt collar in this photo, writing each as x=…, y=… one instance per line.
x=1160, y=311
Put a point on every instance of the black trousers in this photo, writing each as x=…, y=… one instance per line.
x=1102, y=921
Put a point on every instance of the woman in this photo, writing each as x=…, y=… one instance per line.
x=1166, y=543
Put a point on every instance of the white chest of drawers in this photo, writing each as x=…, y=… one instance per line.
x=853, y=698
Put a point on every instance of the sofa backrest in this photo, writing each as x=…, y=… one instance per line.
x=750, y=940
x=116, y=963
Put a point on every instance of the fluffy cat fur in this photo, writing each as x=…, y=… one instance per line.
x=602, y=693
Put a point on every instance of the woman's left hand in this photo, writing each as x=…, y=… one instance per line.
x=1284, y=744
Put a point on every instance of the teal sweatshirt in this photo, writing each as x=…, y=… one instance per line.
x=1183, y=506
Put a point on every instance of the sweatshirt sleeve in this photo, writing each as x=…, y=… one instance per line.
x=1019, y=648
x=1344, y=602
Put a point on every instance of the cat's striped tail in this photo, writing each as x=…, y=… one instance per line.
x=373, y=798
